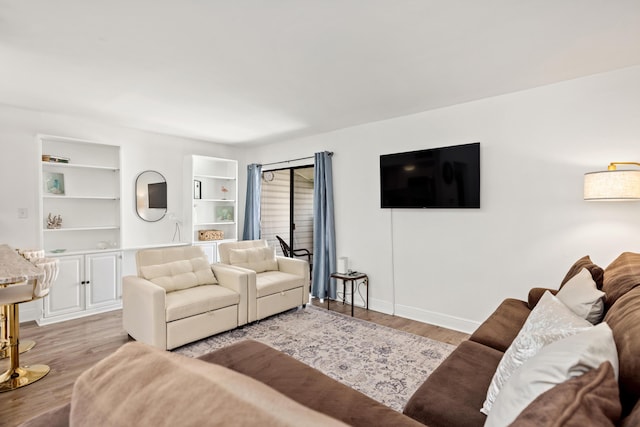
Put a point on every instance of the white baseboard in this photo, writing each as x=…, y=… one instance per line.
x=437, y=319
x=381, y=306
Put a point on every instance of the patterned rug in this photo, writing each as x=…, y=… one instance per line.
x=386, y=364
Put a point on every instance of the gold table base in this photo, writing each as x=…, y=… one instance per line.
x=21, y=376
x=23, y=347
x=17, y=376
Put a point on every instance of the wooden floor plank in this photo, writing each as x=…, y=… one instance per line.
x=71, y=347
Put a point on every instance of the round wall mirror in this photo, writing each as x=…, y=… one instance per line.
x=151, y=196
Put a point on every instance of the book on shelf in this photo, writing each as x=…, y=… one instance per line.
x=55, y=159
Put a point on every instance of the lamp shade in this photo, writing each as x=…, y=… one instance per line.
x=612, y=185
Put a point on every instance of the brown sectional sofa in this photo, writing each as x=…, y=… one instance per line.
x=456, y=390
x=454, y=393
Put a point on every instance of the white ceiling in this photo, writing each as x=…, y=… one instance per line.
x=257, y=71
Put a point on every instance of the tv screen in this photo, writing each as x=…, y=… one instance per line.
x=157, y=195
x=446, y=177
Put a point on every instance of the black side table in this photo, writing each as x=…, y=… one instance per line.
x=353, y=278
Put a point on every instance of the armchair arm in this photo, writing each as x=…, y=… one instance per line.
x=252, y=291
x=236, y=280
x=299, y=268
x=144, y=311
x=293, y=266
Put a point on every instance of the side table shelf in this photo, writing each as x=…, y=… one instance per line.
x=354, y=278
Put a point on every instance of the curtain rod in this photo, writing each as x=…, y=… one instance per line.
x=293, y=160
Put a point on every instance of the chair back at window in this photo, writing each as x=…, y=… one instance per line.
x=285, y=248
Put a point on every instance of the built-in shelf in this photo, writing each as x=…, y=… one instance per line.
x=75, y=165
x=211, y=194
x=51, y=196
x=85, y=193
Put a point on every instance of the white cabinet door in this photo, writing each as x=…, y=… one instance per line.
x=102, y=275
x=67, y=293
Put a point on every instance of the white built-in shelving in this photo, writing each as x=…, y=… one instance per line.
x=211, y=191
x=85, y=193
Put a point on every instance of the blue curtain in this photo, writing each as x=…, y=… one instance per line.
x=252, y=206
x=324, y=234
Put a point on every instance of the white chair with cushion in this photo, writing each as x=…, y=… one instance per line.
x=178, y=297
x=50, y=267
x=275, y=284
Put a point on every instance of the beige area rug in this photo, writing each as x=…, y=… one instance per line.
x=386, y=364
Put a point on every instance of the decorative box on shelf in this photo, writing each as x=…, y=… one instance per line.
x=210, y=235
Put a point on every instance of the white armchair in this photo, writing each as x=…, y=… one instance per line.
x=275, y=284
x=178, y=298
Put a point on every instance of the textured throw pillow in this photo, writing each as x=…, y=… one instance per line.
x=178, y=275
x=582, y=297
x=585, y=262
x=590, y=399
x=549, y=321
x=556, y=363
x=256, y=259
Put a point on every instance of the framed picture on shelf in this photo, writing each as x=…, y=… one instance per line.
x=197, y=189
x=224, y=214
x=54, y=183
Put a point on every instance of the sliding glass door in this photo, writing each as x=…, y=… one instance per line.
x=287, y=207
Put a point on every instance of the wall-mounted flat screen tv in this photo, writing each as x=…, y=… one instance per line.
x=157, y=195
x=446, y=177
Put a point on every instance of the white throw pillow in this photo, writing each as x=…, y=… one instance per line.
x=256, y=259
x=549, y=321
x=582, y=296
x=178, y=275
x=555, y=363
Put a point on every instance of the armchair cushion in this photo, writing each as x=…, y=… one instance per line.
x=178, y=275
x=191, y=302
x=271, y=282
x=256, y=259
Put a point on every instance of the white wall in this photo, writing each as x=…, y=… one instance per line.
x=449, y=267
x=453, y=267
x=139, y=151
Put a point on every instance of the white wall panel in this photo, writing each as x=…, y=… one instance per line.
x=453, y=267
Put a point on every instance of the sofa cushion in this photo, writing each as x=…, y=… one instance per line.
x=256, y=259
x=162, y=388
x=182, y=274
x=585, y=262
x=500, y=329
x=622, y=275
x=535, y=294
x=549, y=321
x=624, y=319
x=582, y=297
x=198, y=300
x=272, y=282
x=306, y=385
x=590, y=399
x=633, y=419
x=554, y=364
x=453, y=394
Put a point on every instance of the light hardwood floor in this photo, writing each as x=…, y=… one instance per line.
x=71, y=347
